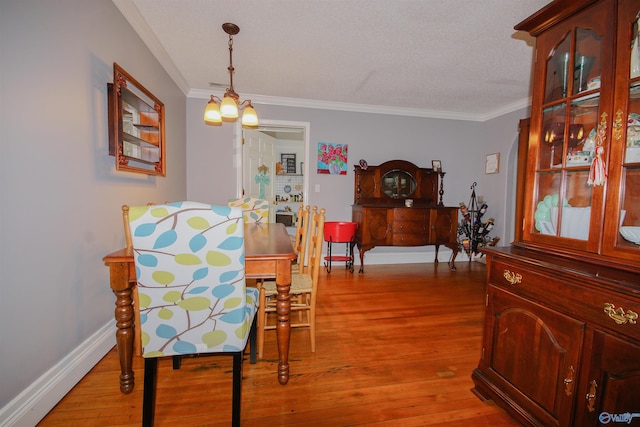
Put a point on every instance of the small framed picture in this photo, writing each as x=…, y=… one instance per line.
x=492, y=164
x=288, y=163
x=436, y=165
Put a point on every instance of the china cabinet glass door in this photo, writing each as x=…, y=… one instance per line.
x=622, y=222
x=570, y=156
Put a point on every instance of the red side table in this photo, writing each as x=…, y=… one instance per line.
x=340, y=232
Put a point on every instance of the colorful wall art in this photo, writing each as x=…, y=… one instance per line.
x=332, y=158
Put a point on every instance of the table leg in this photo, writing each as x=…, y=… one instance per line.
x=283, y=310
x=124, y=321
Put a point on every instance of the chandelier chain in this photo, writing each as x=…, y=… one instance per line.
x=230, y=67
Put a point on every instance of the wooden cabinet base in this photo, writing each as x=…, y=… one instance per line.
x=486, y=391
x=561, y=341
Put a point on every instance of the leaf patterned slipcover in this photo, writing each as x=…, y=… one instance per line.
x=190, y=267
x=254, y=210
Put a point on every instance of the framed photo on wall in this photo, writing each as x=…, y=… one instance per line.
x=436, y=165
x=492, y=164
x=288, y=163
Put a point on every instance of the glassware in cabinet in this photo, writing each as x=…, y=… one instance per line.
x=567, y=148
x=622, y=225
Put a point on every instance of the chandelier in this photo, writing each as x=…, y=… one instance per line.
x=218, y=110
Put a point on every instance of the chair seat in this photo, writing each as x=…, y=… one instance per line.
x=300, y=284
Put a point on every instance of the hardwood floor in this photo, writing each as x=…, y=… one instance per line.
x=395, y=347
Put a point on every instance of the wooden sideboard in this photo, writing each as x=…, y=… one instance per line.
x=380, y=195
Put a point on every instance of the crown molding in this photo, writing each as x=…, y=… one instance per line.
x=136, y=20
x=362, y=108
x=510, y=108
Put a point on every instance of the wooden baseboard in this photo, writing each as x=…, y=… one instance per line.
x=35, y=401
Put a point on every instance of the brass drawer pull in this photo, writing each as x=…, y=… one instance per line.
x=618, y=314
x=513, y=278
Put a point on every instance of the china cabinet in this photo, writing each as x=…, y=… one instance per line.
x=136, y=125
x=561, y=343
x=400, y=204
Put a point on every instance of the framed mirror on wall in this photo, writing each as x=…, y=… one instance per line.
x=136, y=126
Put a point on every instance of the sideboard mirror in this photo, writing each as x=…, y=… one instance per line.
x=398, y=184
x=390, y=183
x=136, y=125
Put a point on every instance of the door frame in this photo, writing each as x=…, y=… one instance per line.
x=239, y=134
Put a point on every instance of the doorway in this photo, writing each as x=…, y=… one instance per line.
x=274, y=163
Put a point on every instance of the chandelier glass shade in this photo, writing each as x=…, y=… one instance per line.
x=227, y=108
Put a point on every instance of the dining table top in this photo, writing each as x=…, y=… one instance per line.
x=269, y=240
x=262, y=241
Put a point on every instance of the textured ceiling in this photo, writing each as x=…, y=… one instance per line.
x=446, y=58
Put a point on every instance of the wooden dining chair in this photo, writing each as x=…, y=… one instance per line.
x=299, y=242
x=300, y=238
x=190, y=269
x=304, y=289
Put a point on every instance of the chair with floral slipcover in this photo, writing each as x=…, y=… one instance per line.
x=253, y=209
x=190, y=268
x=134, y=294
x=303, y=291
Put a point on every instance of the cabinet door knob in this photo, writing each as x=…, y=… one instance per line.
x=591, y=396
x=568, y=381
x=513, y=278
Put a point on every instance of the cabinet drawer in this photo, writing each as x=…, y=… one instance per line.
x=410, y=214
x=402, y=239
x=413, y=227
x=568, y=294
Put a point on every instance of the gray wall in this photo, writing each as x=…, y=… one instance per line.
x=462, y=147
x=500, y=135
x=61, y=195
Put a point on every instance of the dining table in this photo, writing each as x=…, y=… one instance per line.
x=269, y=254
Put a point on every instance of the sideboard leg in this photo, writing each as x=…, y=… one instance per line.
x=361, y=251
x=454, y=254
